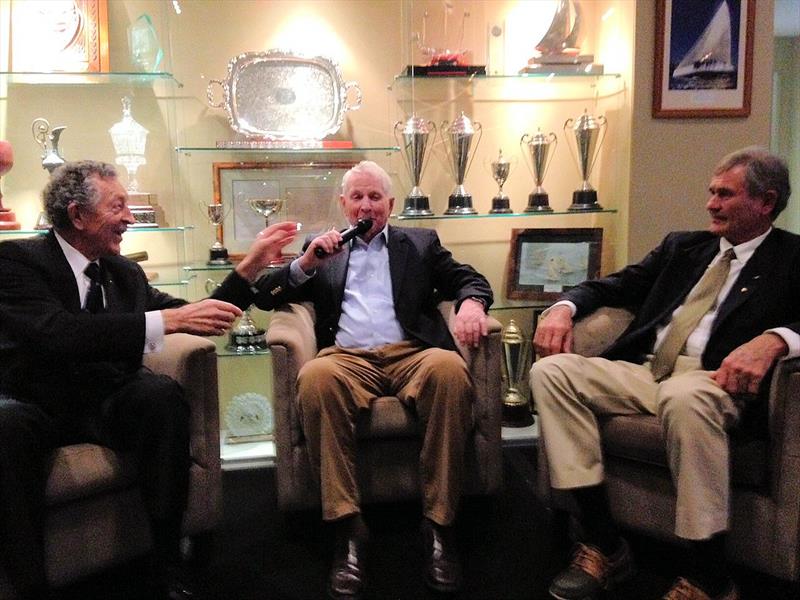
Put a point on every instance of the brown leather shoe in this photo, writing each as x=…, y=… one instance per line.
x=591, y=571
x=442, y=567
x=346, y=578
x=683, y=589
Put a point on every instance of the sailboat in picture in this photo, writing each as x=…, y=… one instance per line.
x=710, y=58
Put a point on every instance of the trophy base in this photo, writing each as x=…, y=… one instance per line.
x=538, y=203
x=517, y=415
x=42, y=222
x=444, y=69
x=416, y=206
x=218, y=257
x=247, y=342
x=584, y=200
x=143, y=216
x=460, y=205
x=500, y=205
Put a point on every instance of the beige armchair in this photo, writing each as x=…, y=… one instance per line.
x=389, y=436
x=95, y=517
x=765, y=521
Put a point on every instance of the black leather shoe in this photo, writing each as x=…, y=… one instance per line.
x=346, y=579
x=442, y=567
x=592, y=571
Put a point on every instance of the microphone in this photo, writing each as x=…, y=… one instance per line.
x=348, y=234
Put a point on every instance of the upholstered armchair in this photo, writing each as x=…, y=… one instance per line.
x=765, y=521
x=95, y=516
x=389, y=436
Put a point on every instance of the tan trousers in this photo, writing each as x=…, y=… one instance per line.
x=570, y=390
x=339, y=383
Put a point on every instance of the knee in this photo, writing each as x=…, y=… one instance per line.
x=547, y=372
x=684, y=412
x=164, y=399
x=447, y=367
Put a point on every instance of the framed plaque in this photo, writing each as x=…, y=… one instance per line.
x=543, y=263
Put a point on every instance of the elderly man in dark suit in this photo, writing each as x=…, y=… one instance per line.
x=380, y=333
x=75, y=319
x=715, y=310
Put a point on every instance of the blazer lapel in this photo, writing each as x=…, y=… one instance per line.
x=398, y=253
x=64, y=283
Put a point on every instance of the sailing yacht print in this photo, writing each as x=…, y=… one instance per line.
x=711, y=61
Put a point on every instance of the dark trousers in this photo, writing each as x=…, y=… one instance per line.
x=146, y=416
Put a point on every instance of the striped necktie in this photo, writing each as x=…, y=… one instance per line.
x=699, y=301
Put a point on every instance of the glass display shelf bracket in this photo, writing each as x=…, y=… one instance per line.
x=287, y=152
x=504, y=215
x=84, y=78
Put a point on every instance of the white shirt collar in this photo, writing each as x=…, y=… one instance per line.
x=745, y=250
x=77, y=261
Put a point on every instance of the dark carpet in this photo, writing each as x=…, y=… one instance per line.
x=509, y=547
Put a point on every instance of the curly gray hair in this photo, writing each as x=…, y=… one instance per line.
x=73, y=182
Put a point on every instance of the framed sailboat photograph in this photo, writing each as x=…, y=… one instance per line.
x=703, y=58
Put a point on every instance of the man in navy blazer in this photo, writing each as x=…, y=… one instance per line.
x=751, y=320
x=380, y=334
x=71, y=369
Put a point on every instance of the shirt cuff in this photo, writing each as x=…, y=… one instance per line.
x=567, y=303
x=791, y=338
x=153, y=332
x=297, y=276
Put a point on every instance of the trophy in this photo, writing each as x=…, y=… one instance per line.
x=458, y=139
x=586, y=129
x=246, y=337
x=501, y=168
x=443, y=60
x=8, y=221
x=559, y=50
x=414, y=133
x=51, y=159
x=216, y=213
x=516, y=409
x=538, y=158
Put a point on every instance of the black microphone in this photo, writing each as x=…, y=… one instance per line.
x=348, y=234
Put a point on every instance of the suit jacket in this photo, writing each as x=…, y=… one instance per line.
x=764, y=296
x=49, y=349
x=423, y=273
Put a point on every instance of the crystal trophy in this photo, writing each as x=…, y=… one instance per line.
x=216, y=213
x=458, y=137
x=449, y=57
x=516, y=409
x=130, y=141
x=539, y=153
x=588, y=134
x=146, y=52
x=413, y=140
x=8, y=221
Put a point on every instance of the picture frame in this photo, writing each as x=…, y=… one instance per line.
x=544, y=263
x=310, y=192
x=65, y=36
x=703, y=60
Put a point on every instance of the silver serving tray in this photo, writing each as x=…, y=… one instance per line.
x=281, y=95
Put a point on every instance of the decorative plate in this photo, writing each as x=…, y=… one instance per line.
x=281, y=95
x=248, y=415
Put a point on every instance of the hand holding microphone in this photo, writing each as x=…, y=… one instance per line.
x=348, y=234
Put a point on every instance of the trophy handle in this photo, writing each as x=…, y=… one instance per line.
x=427, y=158
x=567, y=124
x=447, y=154
x=553, y=139
x=40, y=128
x=522, y=144
x=604, y=124
x=210, y=92
x=351, y=85
x=400, y=145
x=479, y=128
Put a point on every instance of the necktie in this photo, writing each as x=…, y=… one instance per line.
x=94, y=297
x=697, y=303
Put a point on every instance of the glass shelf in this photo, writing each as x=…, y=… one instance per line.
x=205, y=267
x=224, y=352
x=67, y=78
x=10, y=232
x=285, y=151
x=539, y=76
x=507, y=215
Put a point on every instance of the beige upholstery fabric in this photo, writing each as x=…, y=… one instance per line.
x=388, y=455
x=765, y=522
x=95, y=514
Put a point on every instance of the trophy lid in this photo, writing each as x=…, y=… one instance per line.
x=512, y=334
x=501, y=160
x=416, y=125
x=586, y=121
x=462, y=124
x=129, y=137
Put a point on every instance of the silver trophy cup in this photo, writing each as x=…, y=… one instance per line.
x=538, y=152
x=216, y=213
x=458, y=137
x=588, y=135
x=501, y=169
x=516, y=409
x=412, y=137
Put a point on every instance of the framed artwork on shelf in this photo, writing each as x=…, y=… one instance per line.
x=67, y=36
x=703, y=61
x=543, y=263
x=259, y=192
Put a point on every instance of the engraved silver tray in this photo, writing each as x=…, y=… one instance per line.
x=281, y=95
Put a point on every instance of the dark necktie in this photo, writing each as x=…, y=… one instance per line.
x=94, y=297
x=699, y=301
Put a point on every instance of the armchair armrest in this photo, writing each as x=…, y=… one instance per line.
x=597, y=331
x=192, y=362
x=784, y=425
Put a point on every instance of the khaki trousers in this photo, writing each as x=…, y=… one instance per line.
x=570, y=391
x=339, y=383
